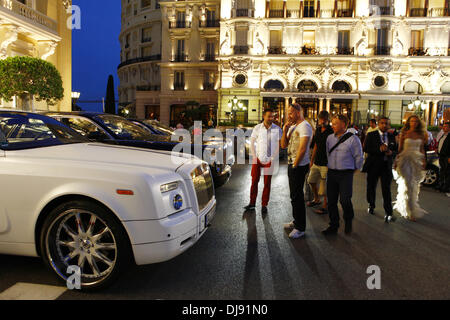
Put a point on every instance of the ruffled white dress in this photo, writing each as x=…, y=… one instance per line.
x=409, y=175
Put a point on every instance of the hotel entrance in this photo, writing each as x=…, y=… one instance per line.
x=310, y=107
x=342, y=106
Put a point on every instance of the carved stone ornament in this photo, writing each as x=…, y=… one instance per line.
x=381, y=65
x=240, y=64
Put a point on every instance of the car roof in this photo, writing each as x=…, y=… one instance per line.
x=74, y=113
x=30, y=114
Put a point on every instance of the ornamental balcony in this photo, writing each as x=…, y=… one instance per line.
x=19, y=10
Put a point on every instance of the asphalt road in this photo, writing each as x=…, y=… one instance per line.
x=249, y=256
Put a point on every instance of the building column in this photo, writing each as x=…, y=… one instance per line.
x=426, y=113
x=328, y=105
x=286, y=106
x=321, y=104
x=434, y=113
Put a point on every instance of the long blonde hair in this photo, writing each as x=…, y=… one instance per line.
x=421, y=128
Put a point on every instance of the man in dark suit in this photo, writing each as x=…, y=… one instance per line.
x=444, y=159
x=380, y=147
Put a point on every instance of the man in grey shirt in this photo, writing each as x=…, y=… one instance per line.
x=345, y=156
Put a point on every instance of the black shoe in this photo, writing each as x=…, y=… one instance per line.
x=250, y=207
x=348, y=227
x=264, y=209
x=390, y=218
x=371, y=210
x=330, y=230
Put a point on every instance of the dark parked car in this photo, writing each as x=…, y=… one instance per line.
x=114, y=129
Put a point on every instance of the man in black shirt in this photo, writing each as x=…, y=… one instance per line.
x=319, y=162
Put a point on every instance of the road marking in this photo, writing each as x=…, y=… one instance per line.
x=31, y=291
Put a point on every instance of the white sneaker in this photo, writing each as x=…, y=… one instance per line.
x=295, y=234
x=289, y=225
x=448, y=194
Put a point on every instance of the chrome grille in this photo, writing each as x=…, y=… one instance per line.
x=203, y=184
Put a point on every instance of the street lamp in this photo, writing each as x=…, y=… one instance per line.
x=235, y=105
x=419, y=106
x=75, y=97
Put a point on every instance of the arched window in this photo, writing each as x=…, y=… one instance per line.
x=307, y=86
x=341, y=86
x=412, y=87
x=274, y=85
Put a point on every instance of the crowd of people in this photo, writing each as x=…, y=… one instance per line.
x=329, y=156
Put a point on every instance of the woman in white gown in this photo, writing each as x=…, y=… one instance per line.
x=410, y=167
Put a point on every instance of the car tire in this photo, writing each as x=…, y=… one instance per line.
x=431, y=177
x=85, y=234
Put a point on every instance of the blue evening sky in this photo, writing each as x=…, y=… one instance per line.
x=96, y=50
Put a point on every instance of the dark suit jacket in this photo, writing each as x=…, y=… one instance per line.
x=372, y=147
x=445, y=151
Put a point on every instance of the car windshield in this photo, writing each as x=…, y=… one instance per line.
x=159, y=127
x=122, y=128
x=25, y=131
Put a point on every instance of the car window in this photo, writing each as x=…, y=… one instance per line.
x=122, y=128
x=85, y=127
x=23, y=131
x=159, y=127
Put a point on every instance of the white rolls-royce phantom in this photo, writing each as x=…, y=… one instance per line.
x=95, y=206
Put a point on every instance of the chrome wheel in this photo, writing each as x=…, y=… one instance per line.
x=81, y=238
x=431, y=177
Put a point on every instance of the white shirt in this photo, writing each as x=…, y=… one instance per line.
x=385, y=136
x=266, y=141
x=295, y=133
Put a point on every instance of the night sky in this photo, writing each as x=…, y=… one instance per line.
x=96, y=50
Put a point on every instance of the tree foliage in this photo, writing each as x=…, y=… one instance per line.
x=30, y=76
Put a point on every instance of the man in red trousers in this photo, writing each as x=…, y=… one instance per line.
x=264, y=148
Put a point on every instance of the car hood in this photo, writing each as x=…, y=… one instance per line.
x=107, y=154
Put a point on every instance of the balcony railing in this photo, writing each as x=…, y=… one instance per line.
x=210, y=24
x=382, y=50
x=381, y=11
x=295, y=14
x=140, y=60
x=178, y=86
x=417, y=51
x=179, y=57
x=276, y=50
x=179, y=24
x=240, y=49
x=208, y=86
x=148, y=88
x=418, y=12
x=244, y=13
x=439, y=12
x=308, y=50
x=210, y=57
x=276, y=13
x=345, y=51
x=327, y=13
x=344, y=13
x=29, y=13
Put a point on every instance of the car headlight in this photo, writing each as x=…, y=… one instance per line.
x=169, y=187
